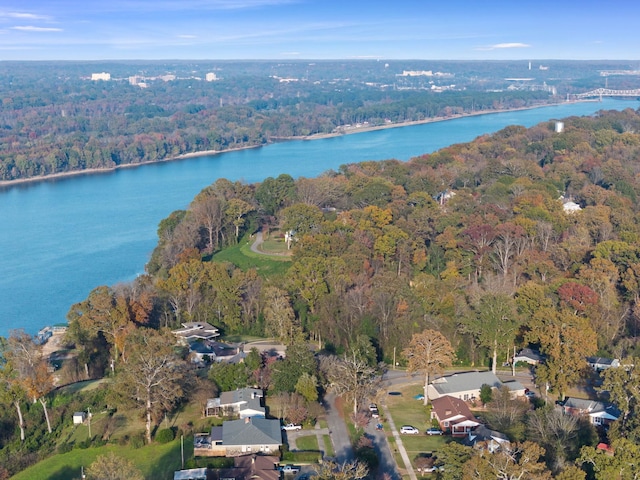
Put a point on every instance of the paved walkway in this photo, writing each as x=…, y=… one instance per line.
x=401, y=449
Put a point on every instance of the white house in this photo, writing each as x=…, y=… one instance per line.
x=466, y=386
x=527, y=355
x=192, y=331
x=599, y=363
x=244, y=402
x=599, y=413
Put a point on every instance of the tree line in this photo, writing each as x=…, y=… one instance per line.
x=472, y=243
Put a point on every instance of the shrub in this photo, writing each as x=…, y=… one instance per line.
x=65, y=447
x=165, y=435
x=137, y=441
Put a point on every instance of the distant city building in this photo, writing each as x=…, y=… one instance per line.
x=135, y=80
x=167, y=78
x=211, y=77
x=101, y=76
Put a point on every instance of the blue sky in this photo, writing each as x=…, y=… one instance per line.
x=318, y=29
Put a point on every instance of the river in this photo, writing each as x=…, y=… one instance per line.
x=61, y=238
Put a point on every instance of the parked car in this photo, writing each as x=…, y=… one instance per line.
x=434, y=431
x=291, y=426
x=290, y=469
x=529, y=394
x=375, y=413
x=372, y=407
x=409, y=430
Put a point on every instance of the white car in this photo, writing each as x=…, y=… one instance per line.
x=409, y=430
x=289, y=469
x=291, y=426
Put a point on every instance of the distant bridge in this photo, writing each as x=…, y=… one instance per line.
x=606, y=92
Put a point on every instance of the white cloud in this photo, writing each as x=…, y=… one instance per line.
x=23, y=16
x=290, y=53
x=31, y=28
x=502, y=46
x=186, y=36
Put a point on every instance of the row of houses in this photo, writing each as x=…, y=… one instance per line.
x=450, y=397
x=534, y=357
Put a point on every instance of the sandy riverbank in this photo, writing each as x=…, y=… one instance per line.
x=342, y=131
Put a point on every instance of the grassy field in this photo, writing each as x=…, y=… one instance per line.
x=405, y=410
x=242, y=257
x=154, y=461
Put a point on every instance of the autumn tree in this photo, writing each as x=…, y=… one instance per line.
x=11, y=391
x=280, y=319
x=429, y=352
x=209, y=211
x=153, y=378
x=623, y=386
x=31, y=368
x=522, y=461
x=622, y=465
x=113, y=467
x=102, y=313
x=494, y=323
x=566, y=340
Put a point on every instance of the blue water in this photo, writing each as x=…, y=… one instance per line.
x=59, y=239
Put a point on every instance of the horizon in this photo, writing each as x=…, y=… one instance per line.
x=313, y=30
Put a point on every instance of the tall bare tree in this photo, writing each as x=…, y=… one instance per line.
x=429, y=352
x=350, y=376
x=153, y=377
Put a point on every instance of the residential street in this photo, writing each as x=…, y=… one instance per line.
x=338, y=430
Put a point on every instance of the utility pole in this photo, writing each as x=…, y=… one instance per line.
x=182, y=449
x=89, y=420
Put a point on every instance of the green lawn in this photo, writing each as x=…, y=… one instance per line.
x=156, y=462
x=405, y=410
x=308, y=442
x=328, y=446
x=242, y=257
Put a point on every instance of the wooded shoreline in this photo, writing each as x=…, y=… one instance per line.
x=344, y=131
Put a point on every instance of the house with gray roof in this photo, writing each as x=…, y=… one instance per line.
x=191, y=331
x=601, y=363
x=528, y=355
x=599, y=413
x=244, y=402
x=465, y=386
x=487, y=439
x=242, y=437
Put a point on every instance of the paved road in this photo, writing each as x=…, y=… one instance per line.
x=387, y=464
x=343, y=452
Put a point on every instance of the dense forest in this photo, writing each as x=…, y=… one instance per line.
x=54, y=119
x=475, y=241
